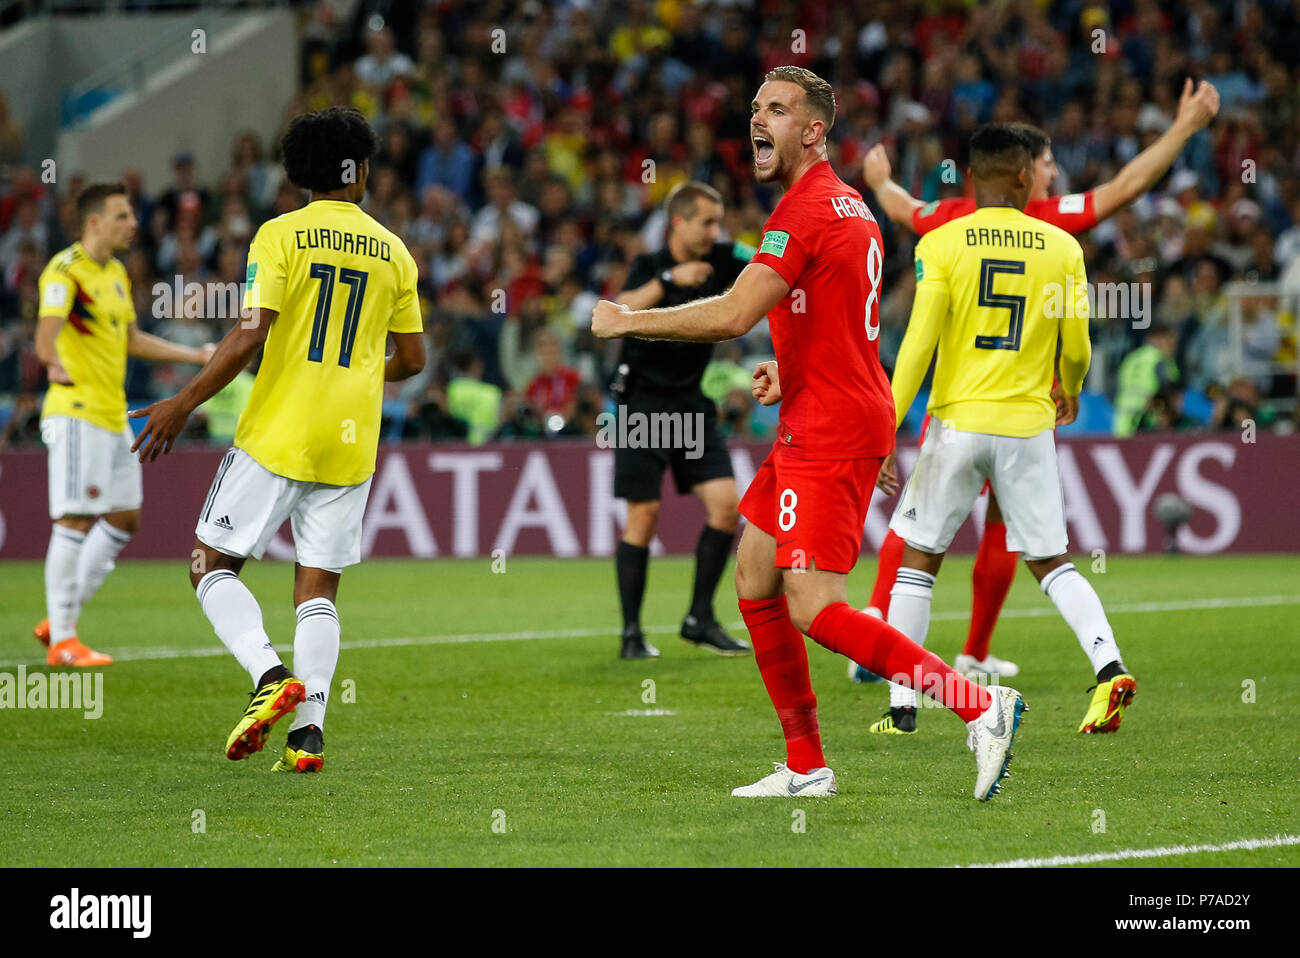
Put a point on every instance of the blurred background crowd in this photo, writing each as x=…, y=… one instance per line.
x=527, y=149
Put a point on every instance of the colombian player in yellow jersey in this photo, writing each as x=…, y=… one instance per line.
x=995, y=568
x=327, y=286
x=995, y=292
x=84, y=334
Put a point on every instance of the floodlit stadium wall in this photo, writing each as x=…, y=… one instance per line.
x=157, y=90
x=556, y=498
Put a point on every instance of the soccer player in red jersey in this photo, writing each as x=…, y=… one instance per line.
x=995, y=567
x=816, y=277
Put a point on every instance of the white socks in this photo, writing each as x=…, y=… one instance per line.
x=237, y=619
x=315, y=655
x=98, y=557
x=62, y=602
x=1079, y=605
x=909, y=612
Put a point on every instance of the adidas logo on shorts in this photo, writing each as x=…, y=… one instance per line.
x=910, y=514
x=223, y=523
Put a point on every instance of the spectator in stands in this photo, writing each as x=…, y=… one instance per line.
x=1141, y=375
x=383, y=62
x=525, y=172
x=474, y=402
x=27, y=229
x=1236, y=406
x=447, y=162
x=24, y=186
x=502, y=206
x=185, y=193
x=1165, y=411
x=553, y=391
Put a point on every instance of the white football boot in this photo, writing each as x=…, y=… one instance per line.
x=970, y=666
x=787, y=783
x=990, y=739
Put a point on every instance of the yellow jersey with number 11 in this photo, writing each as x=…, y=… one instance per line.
x=340, y=283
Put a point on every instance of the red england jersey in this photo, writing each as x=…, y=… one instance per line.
x=554, y=393
x=1073, y=213
x=823, y=240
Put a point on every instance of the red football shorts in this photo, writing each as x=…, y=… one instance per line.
x=814, y=508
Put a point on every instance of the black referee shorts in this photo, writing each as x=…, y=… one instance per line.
x=639, y=472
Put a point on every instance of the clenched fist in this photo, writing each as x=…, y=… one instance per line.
x=607, y=319
x=875, y=166
x=766, y=385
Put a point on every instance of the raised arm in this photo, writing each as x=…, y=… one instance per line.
x=897, y=203
x=1195, y=111
x=716, y=319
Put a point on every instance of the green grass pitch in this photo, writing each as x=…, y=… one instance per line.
x=487, y=699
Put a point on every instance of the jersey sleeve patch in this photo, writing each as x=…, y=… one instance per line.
x=55, y=296
x=928, y=208
x=920, y=270
x=775, y=242
x=1072, y=203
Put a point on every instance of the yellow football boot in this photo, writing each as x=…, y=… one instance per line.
x=1109, y=700
x=272, y=702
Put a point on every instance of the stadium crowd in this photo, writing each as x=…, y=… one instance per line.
x=527, y=149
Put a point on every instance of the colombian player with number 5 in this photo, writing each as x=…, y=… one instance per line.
x=327, y=284
x=807, y=504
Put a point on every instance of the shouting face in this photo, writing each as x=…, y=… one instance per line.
x=781, y=127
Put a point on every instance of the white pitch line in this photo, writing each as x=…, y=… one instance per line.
x=1129, y=854
x=149, y=652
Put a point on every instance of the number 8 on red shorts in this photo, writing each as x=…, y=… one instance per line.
x=814, y=508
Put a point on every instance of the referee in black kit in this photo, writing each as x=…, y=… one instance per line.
x=664, y=377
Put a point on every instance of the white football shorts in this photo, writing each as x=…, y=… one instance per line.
x=92, y=470
x=248, y=503
x=950, y=473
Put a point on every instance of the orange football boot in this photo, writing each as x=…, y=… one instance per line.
x=72, y=652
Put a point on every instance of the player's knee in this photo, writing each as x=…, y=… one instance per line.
x=744, y=576
x=803, y=610
x=82, y=524
x=642, y=518
x=128, y=522
x=725, y=516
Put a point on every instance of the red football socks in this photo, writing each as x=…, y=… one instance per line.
x=995, y=570
x=783, y=662
x=891, y=560
x=884, y=650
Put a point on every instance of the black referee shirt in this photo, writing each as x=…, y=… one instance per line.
x=661, y=367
